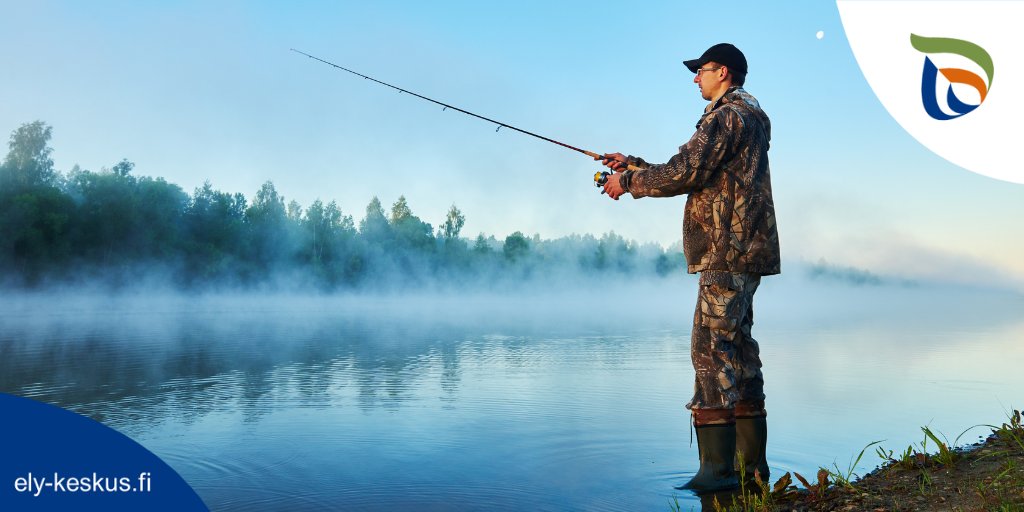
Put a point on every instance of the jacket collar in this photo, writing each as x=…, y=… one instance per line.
x=721, y=99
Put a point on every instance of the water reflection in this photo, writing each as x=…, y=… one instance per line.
x=383, y=404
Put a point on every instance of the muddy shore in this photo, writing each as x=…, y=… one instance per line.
x=986, y=476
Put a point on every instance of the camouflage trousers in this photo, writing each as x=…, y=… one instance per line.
x=726, y=358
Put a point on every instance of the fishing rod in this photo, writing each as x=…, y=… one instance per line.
x=599, y=178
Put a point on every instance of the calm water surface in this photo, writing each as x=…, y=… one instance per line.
x=547, y=401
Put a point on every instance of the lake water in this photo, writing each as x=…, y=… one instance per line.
x=561, y=401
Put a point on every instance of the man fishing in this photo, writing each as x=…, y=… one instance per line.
x=730, y=238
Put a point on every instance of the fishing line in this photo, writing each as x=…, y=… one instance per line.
x=478, y=116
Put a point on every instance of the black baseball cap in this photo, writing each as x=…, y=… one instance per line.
x=722, y=53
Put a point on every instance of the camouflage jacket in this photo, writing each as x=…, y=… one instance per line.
x=729, y=221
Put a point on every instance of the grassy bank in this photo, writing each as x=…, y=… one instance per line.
x=933, y=475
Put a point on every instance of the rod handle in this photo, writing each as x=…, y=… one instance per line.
x=591, y=154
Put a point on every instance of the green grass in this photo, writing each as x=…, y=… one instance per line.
x=924, y=482
x=945, y=455
x=917, y=456
x=847, y=477
x=1003, y=492
x=756, y=496
x=1000, y=492
x=1011, y=432
x=674, y=504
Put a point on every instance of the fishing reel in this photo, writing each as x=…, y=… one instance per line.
x=600, y=178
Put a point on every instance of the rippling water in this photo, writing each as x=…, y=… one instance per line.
x=539, y=402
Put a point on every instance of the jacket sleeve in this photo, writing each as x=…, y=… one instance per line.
x=697, y=162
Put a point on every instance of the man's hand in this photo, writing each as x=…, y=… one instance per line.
x=614, y=161
x=613, y=187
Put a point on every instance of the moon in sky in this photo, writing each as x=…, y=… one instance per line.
x=820, y=34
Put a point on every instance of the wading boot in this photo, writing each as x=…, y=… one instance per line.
x=751, y=441
x=717, y=447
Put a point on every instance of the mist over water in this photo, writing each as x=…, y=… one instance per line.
x=549, y=398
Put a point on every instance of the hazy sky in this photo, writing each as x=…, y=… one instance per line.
x=194, y=91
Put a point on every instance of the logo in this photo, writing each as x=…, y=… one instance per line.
x=931, y=85
x=950, y=104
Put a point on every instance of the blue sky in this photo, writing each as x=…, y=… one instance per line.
x=195, y=91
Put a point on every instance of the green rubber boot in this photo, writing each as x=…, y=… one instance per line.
x=717, y=447
x=751, y=441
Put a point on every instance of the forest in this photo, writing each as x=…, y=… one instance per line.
x=116, y=228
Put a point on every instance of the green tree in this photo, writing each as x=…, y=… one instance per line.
x=516, y=247
x=123, y=168
x=159, y=220
x=325, y=228
x=116, y=220
x=670, y=260
x=613, y=251
x=400, y=211
x=410, y=232
x=28, y=162
x=270, y=241
x=106, y=225
x=34, y=232
x=267, y=206
x=328, y=243
x=294, y=211
x=316, y=224
x=374, y=243
x=341, y=222
x=453, y=223
x=374, y=224
x=215, y=229
x=34, y=214
x=481, y=246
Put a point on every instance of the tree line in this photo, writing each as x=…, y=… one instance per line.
x=118, y=228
